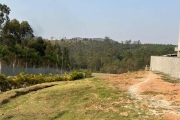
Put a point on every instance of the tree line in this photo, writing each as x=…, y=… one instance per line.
x=111, y=56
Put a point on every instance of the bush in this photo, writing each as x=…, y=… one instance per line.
x=3, y=83
x=87, y=73
x=76, y=75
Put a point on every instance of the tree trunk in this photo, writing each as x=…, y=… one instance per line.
x=48, y=68
x=13, y=66
x=0, y=67
x=62, y=65
x=26, y=68
x=18, y=63
x=14, y=62
x=56, y=67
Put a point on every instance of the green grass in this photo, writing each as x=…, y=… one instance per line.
x=87, y=99
x=154, y=93
x=168, y=78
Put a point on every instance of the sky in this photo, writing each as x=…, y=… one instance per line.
x=150, y=21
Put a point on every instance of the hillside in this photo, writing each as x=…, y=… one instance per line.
x=125, y=96
x=111, y=56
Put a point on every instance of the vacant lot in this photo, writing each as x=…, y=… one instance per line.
x=134, y=95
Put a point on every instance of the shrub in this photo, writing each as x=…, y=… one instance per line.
x=3, y=83
x=12, y=83
x=87, y=73
x=76, y=75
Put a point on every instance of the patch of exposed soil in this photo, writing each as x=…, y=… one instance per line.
x=124, y=81
x=161, y=98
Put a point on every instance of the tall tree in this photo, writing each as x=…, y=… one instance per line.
x=4, y=15
x=49, y=51
x=25, y=30
x=11, y=30
x=14, y=32
x=25, y=54
x=39, y=45
x=2, y=54
x=15, y=53
x=66, y=58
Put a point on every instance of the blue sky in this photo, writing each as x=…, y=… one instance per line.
x=151, y=21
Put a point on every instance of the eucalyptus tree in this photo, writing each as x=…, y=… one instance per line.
x=3, y=52
x=14, y=32
x=4, y=15
x=26, y=32
x=11, y=30
x=66, y=60
x=56, y=57
x=33, y=56
x=39, y=45
x=26, y=53
x=49, y=51
x=15, y=52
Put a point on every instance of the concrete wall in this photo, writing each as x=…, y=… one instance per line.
x=167, y=65
x=9, y=71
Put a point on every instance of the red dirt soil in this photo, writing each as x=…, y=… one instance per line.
x=125, y=80
x=155, y=87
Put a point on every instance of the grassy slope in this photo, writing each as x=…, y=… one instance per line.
x=88, y=99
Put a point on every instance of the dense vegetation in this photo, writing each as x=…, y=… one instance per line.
x=19, y=48
x=111, y=56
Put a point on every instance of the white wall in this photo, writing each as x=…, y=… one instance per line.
x=167, y=65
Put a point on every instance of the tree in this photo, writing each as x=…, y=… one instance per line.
x=33, y=56
x=25, y=30
x=14, y=32
x=4, y=15
x=39, y=45
x=15, y=52
x=65, y=53
x=49, y=51
x=106, y=38
x=56, y=57
x=2, y=54
x=26, y=54
x=11, y=30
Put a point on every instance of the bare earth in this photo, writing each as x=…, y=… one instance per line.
x=161, y=98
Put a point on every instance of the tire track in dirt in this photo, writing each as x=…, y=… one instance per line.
x=156, y=106
x=133, y=90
